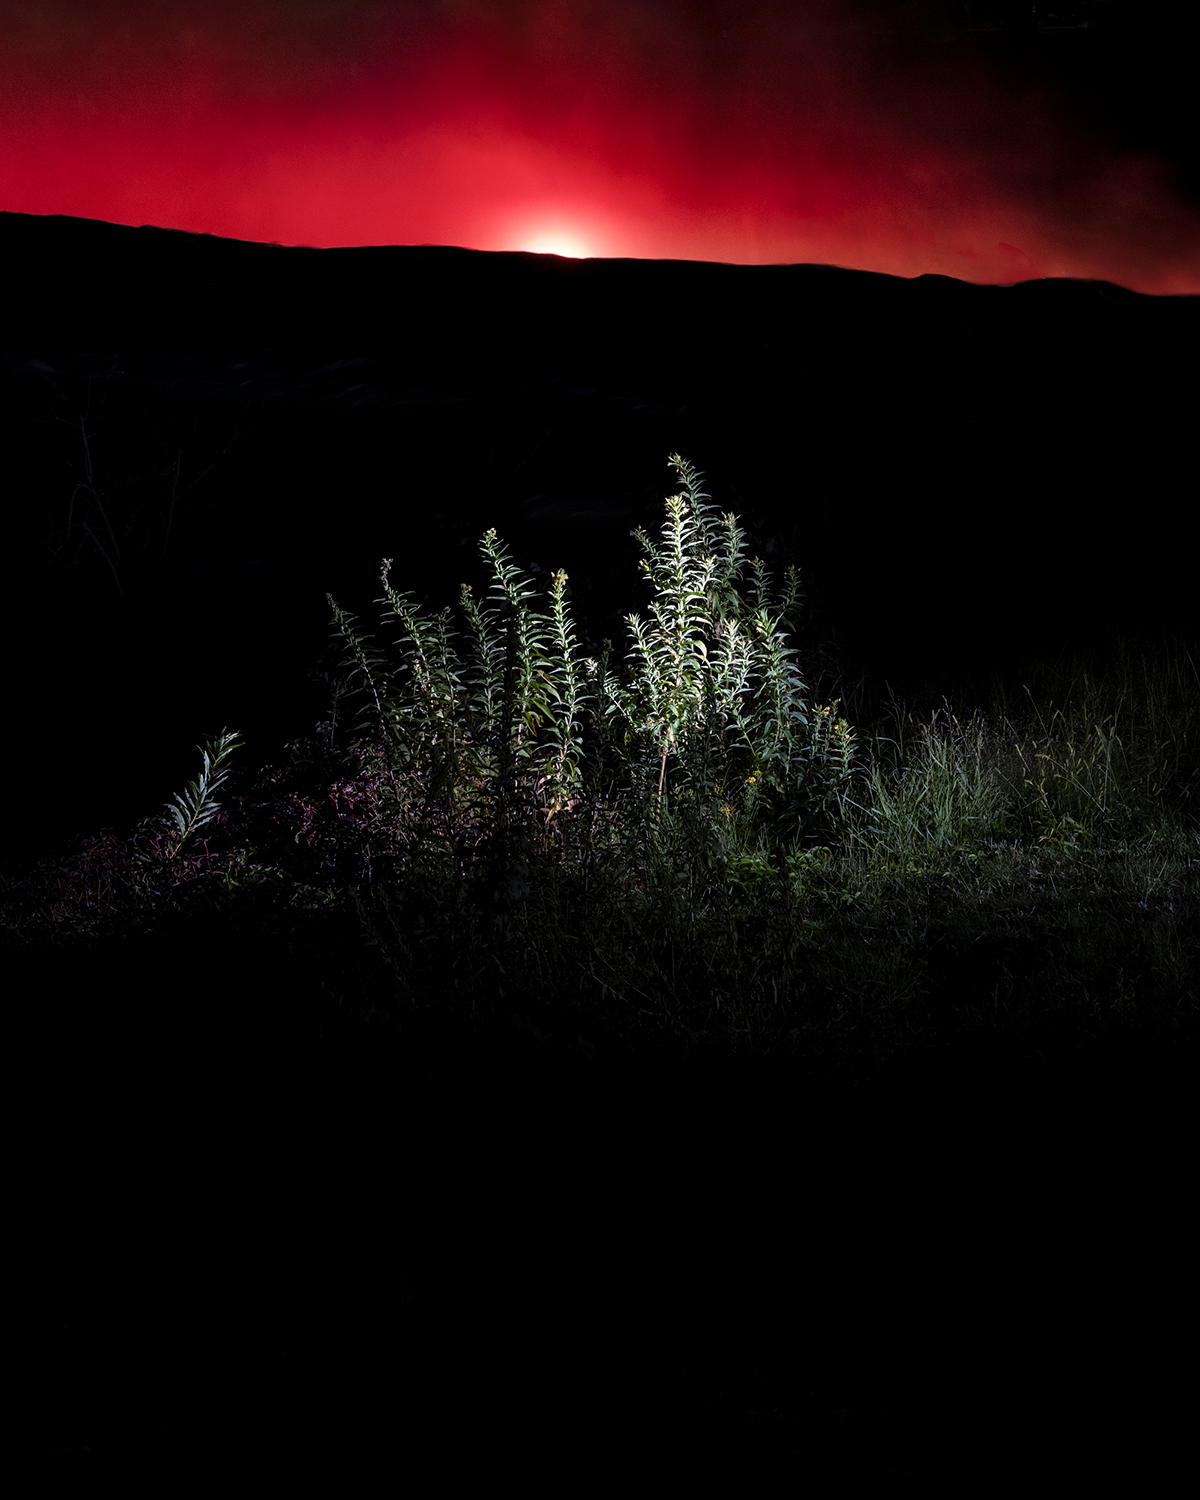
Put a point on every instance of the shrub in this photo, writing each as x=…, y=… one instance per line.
x=512, y=764
x=510, y=712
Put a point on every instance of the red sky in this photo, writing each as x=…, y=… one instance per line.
x=872, y=134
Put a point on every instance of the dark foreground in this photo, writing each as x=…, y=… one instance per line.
x=263, y=1239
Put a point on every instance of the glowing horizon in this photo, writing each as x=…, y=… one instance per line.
x=531, y=125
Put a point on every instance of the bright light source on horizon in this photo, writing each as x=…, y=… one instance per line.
x=556, y=244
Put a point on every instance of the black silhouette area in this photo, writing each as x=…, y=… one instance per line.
x=265, y=1235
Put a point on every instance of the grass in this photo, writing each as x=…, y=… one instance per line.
x=692, y=854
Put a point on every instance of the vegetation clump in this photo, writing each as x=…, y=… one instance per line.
x=684, y=843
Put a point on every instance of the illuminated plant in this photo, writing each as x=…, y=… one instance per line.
x=715, y=684
x=198, y=806
x=711, y=684
x=469, y=729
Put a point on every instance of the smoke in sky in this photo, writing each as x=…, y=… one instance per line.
x=901, y=137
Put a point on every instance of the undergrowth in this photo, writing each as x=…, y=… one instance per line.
x=681, y=845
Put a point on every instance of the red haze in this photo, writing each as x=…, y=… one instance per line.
x=747, y=132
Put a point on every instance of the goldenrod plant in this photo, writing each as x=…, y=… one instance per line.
x=714, y=680
x=711, y=683
x=197, y=807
